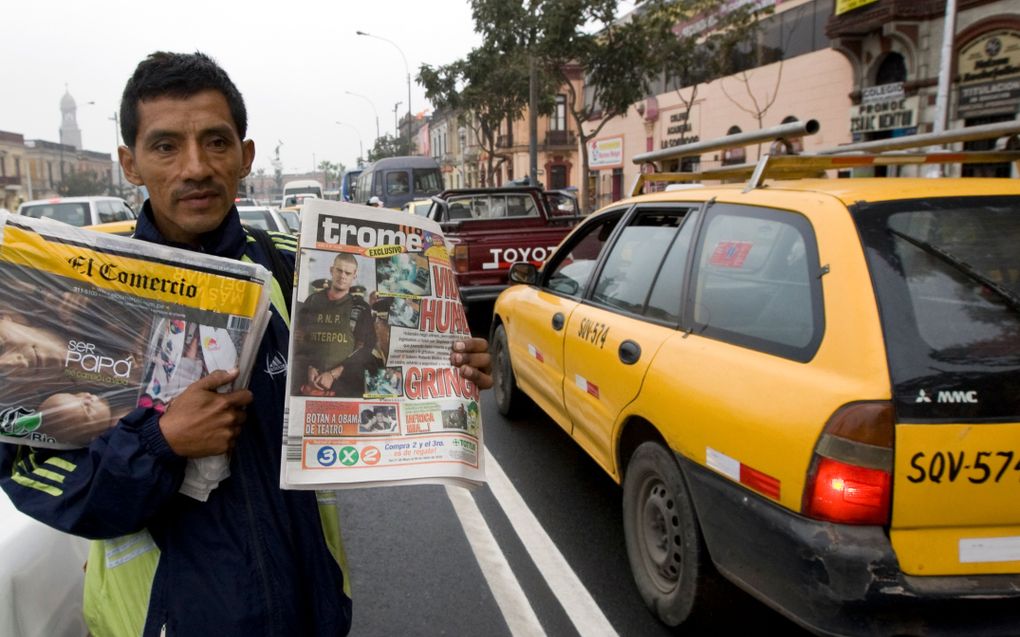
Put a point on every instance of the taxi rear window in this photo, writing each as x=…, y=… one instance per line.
x=76, y=214
x=947, y=278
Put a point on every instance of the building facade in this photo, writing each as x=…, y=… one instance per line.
x=894, y=48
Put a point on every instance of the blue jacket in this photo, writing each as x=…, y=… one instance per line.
x=253, y=559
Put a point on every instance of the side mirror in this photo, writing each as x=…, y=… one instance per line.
x=525, y=273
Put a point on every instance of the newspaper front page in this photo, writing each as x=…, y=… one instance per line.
x=373, y=398
x=94, y=325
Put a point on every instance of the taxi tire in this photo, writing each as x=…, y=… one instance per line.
x=504, y=383
x=668, y=558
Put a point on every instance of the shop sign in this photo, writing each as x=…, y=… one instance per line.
x=678, y=130
x=605, y=153
x=884, y=114
x=842, y=6
x=993, y=56
x=881, y=93
x=989, y=98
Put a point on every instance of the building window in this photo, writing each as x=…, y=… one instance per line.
x=559, y=116
x=892, y=69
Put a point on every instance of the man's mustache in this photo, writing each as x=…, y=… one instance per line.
x=194, y=188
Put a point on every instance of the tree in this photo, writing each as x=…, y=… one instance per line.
x=711, y=42
x=562, y=36
x=486, y=89
x=83, y=183
x=331, y=172
x=389, y=146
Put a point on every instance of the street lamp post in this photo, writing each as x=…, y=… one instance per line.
x=372, y=104
x=407, y=69
x=116, y=146
x=361, y=147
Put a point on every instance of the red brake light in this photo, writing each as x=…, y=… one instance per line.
x=847, y=494
x=850, y=481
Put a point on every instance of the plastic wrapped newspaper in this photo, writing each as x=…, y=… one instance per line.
x=94, y=325
x=373, y=398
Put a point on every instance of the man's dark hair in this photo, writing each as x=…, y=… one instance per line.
x=177, y=75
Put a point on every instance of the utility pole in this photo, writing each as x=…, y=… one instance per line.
x=116, y=146
x=945, y=67
x=532, y=122
x=396, y=123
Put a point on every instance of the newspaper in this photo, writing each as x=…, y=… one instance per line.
x=373, y=399
x=94, y=325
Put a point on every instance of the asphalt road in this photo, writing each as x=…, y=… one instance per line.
x=414, y=571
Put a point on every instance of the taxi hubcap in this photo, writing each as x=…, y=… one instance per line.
x=660, y=535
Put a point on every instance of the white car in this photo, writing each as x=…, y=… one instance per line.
x=79, y=211
x=262, y=217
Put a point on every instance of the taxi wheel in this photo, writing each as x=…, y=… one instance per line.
x=668, y=558
x=504, y=385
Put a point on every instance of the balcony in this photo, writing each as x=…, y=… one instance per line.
x=560, y=138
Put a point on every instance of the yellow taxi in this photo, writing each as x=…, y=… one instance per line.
x=124, y=228
x=807, y=387
x=418, y=207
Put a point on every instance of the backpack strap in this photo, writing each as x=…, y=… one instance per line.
x=283, y=271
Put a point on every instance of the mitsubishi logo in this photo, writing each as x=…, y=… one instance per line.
x=922, y=397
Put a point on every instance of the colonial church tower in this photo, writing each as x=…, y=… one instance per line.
x=69, y=132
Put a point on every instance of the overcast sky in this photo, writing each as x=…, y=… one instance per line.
x=292, y=60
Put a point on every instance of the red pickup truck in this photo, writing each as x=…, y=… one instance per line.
x=488, y=229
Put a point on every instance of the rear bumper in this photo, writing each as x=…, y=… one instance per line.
x=479, y=293
x=839, y=579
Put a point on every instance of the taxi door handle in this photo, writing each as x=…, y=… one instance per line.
x=557, y=321
x=629, y=352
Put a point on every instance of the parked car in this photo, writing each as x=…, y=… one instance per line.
x=79, y=211
x=809, y=389
x=490, y=228
x=124, y=228
x=292, y=217
x=418, y=207
x=262, y=217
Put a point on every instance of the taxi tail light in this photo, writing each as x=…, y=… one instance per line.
x=850, y=479
x=460, y=258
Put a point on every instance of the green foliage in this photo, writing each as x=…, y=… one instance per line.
x=389, y=146
x=331, y=171
x=83, y=183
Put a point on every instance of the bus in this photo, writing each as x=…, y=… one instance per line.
x=302, y=187
x=397, y=180
x=348, y=184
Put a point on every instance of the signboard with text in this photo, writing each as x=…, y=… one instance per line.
x=989, y=72
x=884, y=108
x=605, y=153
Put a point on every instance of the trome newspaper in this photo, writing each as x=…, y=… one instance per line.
x=373, y=399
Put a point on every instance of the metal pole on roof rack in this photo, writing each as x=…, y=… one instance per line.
x=783, y=131
x=945, y=66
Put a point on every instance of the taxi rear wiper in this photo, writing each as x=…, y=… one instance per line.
x=962, y=266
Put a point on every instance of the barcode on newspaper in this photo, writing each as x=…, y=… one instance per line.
x=293, y=453
x=238, y=322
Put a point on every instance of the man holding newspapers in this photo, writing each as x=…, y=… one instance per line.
x=252, y=559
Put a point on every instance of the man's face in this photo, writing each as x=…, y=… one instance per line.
x=344, y=274
x=29, y=354
x=190, y=157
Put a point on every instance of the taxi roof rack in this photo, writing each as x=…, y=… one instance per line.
x=883, y=152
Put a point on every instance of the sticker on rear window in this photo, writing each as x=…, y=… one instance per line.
x=730, y=254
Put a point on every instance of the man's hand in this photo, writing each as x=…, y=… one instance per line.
x=471, y=357
x=203, y=422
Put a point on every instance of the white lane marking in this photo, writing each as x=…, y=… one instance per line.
x=513, y=603
x=578, y=603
